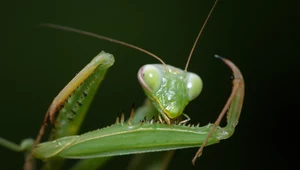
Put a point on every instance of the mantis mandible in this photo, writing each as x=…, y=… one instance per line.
x=168, y=88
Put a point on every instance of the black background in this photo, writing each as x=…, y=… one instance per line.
x=258, y=36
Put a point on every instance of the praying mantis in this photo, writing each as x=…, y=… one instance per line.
x=169, y=132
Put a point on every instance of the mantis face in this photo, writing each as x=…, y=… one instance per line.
x=169, y=88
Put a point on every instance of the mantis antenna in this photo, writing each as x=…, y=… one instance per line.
x=64, y=28
x=199, y=34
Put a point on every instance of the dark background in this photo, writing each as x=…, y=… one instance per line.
x=37, y=62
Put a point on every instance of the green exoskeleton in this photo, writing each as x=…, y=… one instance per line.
x=169, y=90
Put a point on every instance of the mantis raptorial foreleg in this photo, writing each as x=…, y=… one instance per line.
x=234, y=104
x=72, y=103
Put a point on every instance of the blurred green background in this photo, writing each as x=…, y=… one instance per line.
x=37, y=62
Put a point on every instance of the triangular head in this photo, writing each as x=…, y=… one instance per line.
x=170, y=89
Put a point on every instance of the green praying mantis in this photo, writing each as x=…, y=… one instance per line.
x=159, y=125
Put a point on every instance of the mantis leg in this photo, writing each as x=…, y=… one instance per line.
x=25, y=145
x=155, y=160
x=72, y=103
x=145, y=112
x=233, y=107
x=185, y=120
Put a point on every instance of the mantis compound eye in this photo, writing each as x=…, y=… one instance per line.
x=194, y=85
x=150, y=77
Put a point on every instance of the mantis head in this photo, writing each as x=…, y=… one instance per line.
x=169, y=88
